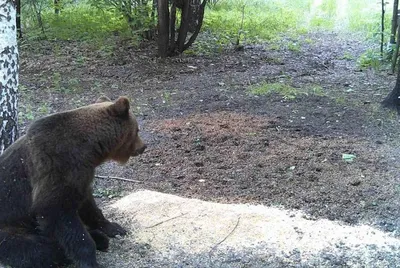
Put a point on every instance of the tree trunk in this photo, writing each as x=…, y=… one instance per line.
x=184, y=27
x=172, y=42
x=8, y=75
x=57, y=7
x=394, y=21
x=382, y=25
x=392, y=101
x=200, y=16
x=195, y=6
x=18, y=19
x=163, y=28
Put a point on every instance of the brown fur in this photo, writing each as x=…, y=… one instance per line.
x=45, y=184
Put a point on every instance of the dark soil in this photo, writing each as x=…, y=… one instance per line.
x=209, y=138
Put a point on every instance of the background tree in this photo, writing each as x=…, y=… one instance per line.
x=192, y=14
x=392, y=101
x=8, y=74
x=18, y=17
x=394, y=22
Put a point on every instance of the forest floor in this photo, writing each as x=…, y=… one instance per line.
x=210, y=138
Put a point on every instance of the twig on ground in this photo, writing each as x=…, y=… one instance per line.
x=170, y=219
x=223, y=240
x=116, y=178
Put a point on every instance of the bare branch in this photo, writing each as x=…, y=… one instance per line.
x=170, y=219
x=116, y=178
x=226, y=237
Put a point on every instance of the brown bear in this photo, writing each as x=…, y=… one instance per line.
x=48, y=216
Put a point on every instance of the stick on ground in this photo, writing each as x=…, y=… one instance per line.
x=116, y=178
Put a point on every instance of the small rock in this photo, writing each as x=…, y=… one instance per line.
x=200, y=147
x=355, y=182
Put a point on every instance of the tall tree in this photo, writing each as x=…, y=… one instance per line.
x=392, y=101
x=192, y=13
x=18, y=6
x=8, y=74
x=394, y=21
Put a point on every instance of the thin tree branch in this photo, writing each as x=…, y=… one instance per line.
x=226, y=237
x=116, y=178
x=170, y=219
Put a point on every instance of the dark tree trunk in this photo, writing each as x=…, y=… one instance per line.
x=168, y=45
x=394, y=21
x=200, y=16
x=172, y=43
x=392, y=101
x=163, y=28
x=18, y=19
x=57, y=6
x=184, y=27
x=382, y=25
x=195, y=6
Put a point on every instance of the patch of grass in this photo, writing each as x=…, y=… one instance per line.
x=294, y=46
x=286, y=91
x=29, y=113
x=261, y=20
x=77, y=22
x=316, y=90
x=59, y=84
x=347, y=56
x=370, y=59
x=166, y=97
x=56, y=80
x=341, y=100
x=106, y=193
x=273, y=21
x=321, y=21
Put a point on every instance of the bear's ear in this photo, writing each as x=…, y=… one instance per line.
x=120, y=107
x=103, y=99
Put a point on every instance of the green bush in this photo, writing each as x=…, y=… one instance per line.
x=76, y=22
x=261, y=20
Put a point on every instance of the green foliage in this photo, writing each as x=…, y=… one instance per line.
x=28, y=113
x=137, y=13
x=347, y=56
x=76, y=22
x=286, y=91
x=61, y=85
x=261, y=20
x=293, y=46
x=267, y=20
x=370, y=59
x=225, y=21
x=107, y=193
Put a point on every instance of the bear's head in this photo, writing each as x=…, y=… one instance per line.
x=130, y=143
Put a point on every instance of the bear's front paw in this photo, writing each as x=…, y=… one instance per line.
x=112, y=229
x=101, y=240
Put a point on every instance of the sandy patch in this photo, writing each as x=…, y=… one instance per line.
x=172, y=227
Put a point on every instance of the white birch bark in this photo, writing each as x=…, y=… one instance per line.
x=9, y=68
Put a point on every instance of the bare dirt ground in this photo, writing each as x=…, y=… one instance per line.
x=209, y=138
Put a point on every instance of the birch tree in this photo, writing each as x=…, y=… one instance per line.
x=8, y=74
